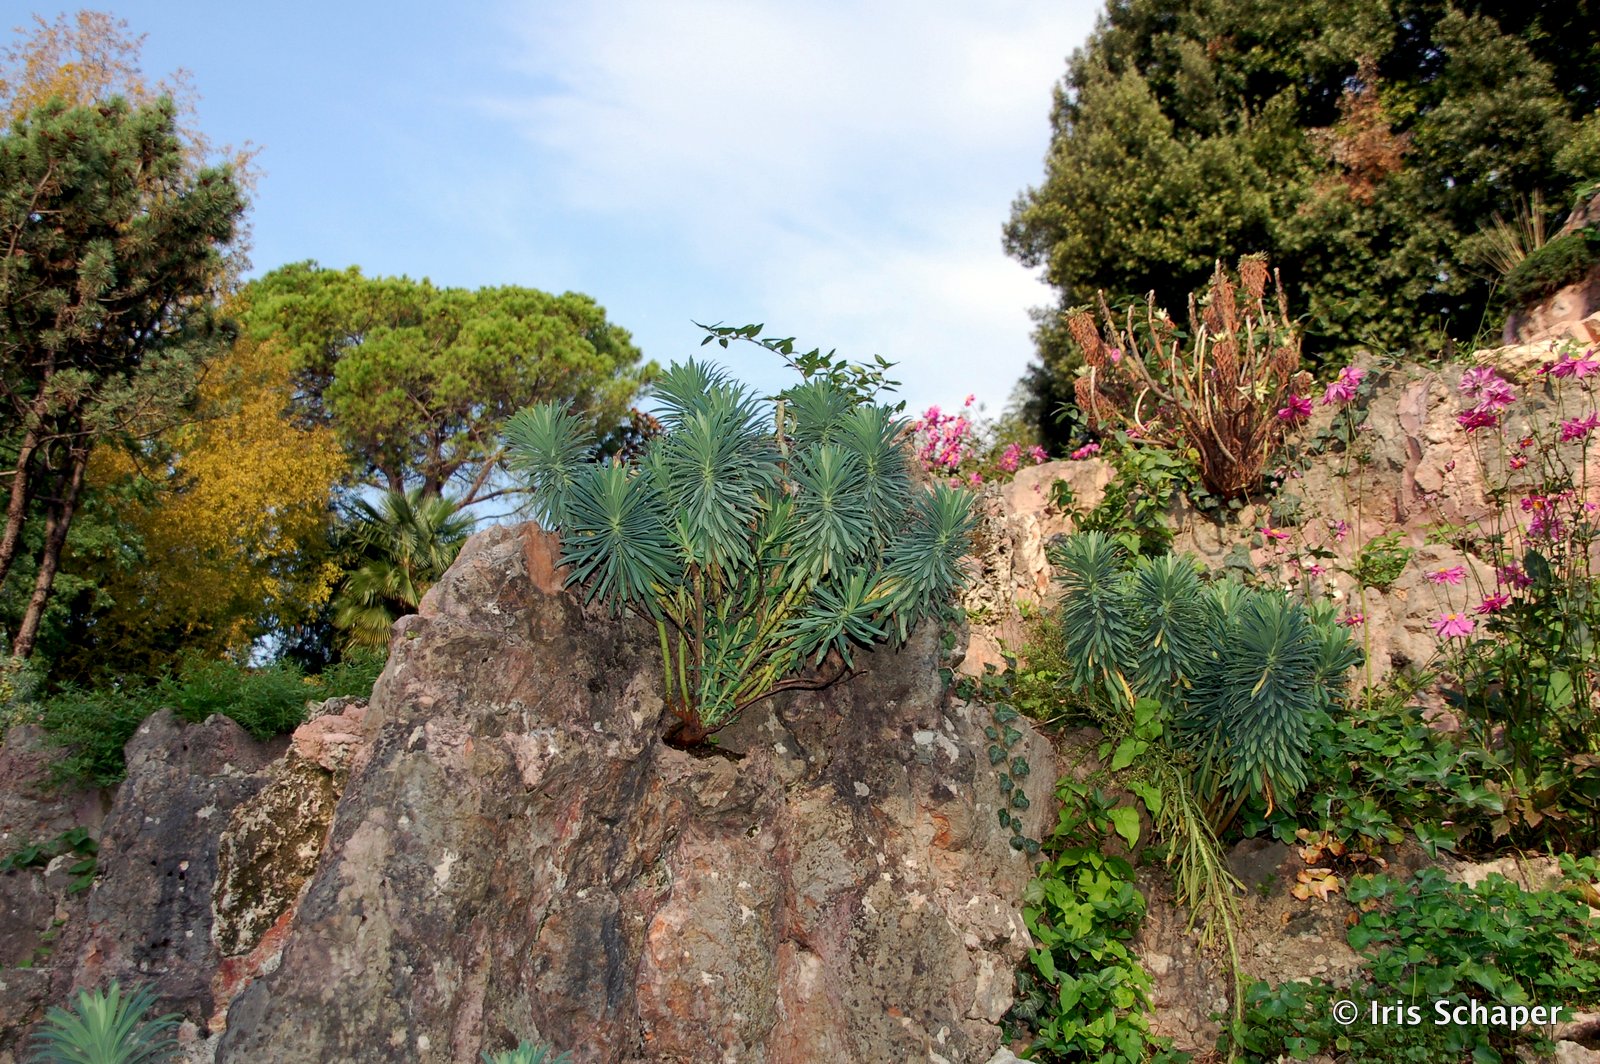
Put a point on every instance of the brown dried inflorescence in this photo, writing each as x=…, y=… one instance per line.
x=1216, y=392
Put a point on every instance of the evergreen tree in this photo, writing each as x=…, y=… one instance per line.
x=1362, y=145
x=106, y=303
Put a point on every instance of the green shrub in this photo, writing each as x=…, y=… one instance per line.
x=756, y=539
x=106, y=1027
x=94, y=725
x=1381, y=561
x=1082, y=994
x=1563, y=261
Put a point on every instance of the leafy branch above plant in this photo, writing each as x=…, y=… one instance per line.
x=764, y=541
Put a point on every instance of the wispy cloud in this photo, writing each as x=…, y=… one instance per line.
x=841, y=168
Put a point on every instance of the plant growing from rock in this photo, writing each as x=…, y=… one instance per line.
x=106, y=1027
x=527, y=1053
x=763, y=542
x=1226, y=390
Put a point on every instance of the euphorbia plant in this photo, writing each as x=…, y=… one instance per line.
x=765, y=540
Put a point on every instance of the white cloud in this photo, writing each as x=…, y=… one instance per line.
x=846, y=167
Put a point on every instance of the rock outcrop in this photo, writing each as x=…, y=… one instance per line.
x=518, y=855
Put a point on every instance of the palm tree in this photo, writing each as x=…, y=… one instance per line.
x=407, y=541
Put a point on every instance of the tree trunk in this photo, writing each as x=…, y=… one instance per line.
x=17, y=508
x=57, y=522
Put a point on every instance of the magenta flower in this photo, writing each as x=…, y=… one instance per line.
x=1473, y=380
x=1273, y=533
x=1451, y=576
x=1298, y=410
x=1011, y=458
x=1038, y=455
x=1513, y=575
x=1517, y=462
x=1339, y=529
x=1496, y=395
x=1344, y=389
x=1478, y=418
x=1574, y=366
x=1453, y=624
x=1578, y=428
x=1350, y=620
x=1492, y=603
x=1085, y=451
x=976, y=480
x=1315, y=570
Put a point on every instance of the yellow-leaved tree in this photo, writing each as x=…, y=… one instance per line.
x=236, y=529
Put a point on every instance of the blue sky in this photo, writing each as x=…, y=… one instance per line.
x=839, y=171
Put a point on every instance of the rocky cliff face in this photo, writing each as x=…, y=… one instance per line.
x=517, y=855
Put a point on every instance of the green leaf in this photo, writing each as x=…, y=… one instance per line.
x=1126, y=822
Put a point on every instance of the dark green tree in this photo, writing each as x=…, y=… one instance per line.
x=416, y=380
x=1361, y=144
x=112, y=248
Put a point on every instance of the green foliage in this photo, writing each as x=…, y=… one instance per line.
x=1294, y=1021
x=1083, y=996
x=38, y=854
x=756, y=539
x=1381, y=561
x=406, y=542
x=527, y=1053
x=1430, y=939
x=94, y=725
x=416, y=380
x=105, y=322
x=1435, y=938
x=1134, y=509
x=1564, y=260
x=1244, y=673
x=1187, y=132
x=106, y=1027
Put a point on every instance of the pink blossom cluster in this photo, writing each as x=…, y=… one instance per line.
x=1014, y=453
x=1579, y=428
x=1086, y=451
x=1575, y=366
x=1298, y=409
x=1492, y=393
x=943, y=440
x=1342, y=390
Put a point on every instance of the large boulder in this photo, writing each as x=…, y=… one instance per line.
x=150, y=917
x=518, y=855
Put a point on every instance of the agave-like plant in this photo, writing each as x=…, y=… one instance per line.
x=1242, y=671
x=527, y=1053
x=106, y=1027
x=763, y=542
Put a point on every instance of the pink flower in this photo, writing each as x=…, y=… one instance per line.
x=1315, y=569
x=1344, y=389
x=1453, y=624
x=1473, y=380
x=1517, y=462
x=1350, y=620
x=1273, y=533
x=976, y=480
x=1497, y=395
x=1492, y=604
x=1451, y=576
x=1578, y=428
x=1339, y=529
x=970, y=400
x=1010, y=459
x=1573, y=366
x=1513, y=575
x=1478, y=418
x=1037, y=454
x=1298, y=410
x=1085, y=451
